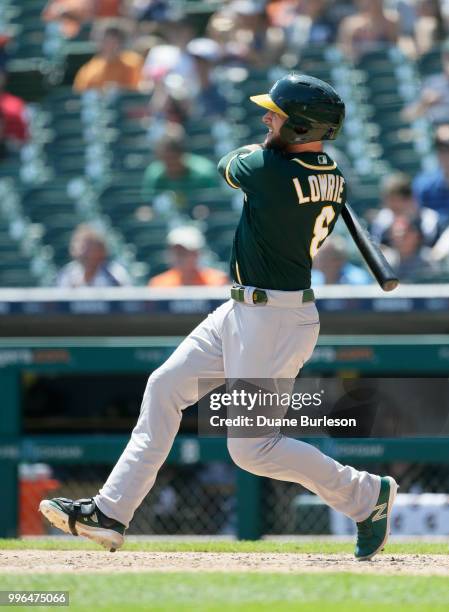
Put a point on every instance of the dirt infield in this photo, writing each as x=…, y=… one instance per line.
x=57, y=561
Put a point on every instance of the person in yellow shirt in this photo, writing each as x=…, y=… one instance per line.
x=112, y=66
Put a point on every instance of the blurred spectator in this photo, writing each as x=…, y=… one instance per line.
x=143, y=43
x=220, y=26
x=371, y=27
x=12, y=111
x=153, y=10
x=253, y=39
x=183, y=82
x=164, y=59
x=434, y=98
x=112, y=66
x=407, y=16
x=313, y=24
x=207, y=100
x=431, y=188
x=169, y=102
x=410, y=259
x=72, y=14
x=430, y=28
x=3, y=147
x=108, y=8
x=331, y=266
x=170, y=57
x=175, y=170
x=90, y=266
x=185, y=245
x=282, y=12
x=398, y=200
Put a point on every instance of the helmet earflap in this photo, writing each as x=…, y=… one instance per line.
x=293, y=134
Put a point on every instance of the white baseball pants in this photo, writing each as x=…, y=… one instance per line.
x=238, y=340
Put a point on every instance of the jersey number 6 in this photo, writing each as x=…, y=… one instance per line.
x=321, y=228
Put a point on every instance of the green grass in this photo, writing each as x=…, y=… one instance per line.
x=264, y=546
x=214, y=592
x=237, y=592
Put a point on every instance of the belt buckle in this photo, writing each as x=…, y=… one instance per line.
x=260, y=296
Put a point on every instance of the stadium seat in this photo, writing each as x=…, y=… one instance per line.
x=129, y=103
x=76, y=54
x=30, y=9
x=220, y=221
x=63, y=99
x=157, y=263
x=120, y=199
x=148, y=241
x=15, y=258
x=314, y=60
x=48, y=199
x=10, y=167
x=17, y=276
x=132, y=223
x=430, y=63
x=29, y=78
x=69, y=163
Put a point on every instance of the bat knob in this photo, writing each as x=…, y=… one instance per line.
x=390, y=284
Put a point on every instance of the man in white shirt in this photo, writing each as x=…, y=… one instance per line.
x=90, y=266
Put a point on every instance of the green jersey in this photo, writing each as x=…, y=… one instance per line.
x=199, y=173
x=291, y=204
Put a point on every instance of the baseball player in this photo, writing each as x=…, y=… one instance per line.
x=293, y=193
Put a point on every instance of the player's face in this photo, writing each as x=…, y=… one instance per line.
x=405, y=239
x=110, y=46
x=400, y=205
x=172, y=159
x=274, y=123
x=93, y=253
x=184, y=259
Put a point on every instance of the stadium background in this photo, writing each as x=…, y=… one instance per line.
x=73, y=363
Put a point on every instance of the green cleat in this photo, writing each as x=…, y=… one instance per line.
x=372, y=533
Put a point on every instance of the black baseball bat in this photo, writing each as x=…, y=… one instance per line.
x=370, y=251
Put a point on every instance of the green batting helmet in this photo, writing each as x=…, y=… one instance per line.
x=312, y=108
